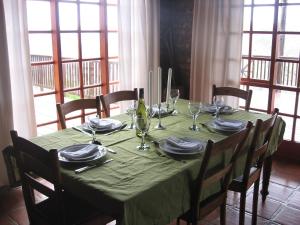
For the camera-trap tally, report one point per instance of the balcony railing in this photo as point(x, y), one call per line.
point(287, 72)
point(43, 75)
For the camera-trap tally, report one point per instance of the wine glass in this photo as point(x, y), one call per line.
point(90, 128)
point(195, 108)
point(218, 102)
point(174, 95)
point(142, 123)
point(131, 112)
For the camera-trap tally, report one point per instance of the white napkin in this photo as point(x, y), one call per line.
point(162, 110)
point(183, 144)
point(230, 123)
point(101, 123)
point(87, 152)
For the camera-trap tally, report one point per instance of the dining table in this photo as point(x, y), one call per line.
point(149, 187)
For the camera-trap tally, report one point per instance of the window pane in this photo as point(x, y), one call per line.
point(91, 1)
point(69, 46)
point(113, 44)
point(261, 45)
point(68, 16)
point(90, 43)
point(114, 74)
point(244, 68)
point(297, 132)
point(92, 92)
point(287, 73)
point(71, 75)
point(247, 2)
point(247, 18)
point(112, 18)
point(46, 129)
point(291, 21)
point(260, 69)
point(289, 1)
point(91, 72)
point(73, 122)
point(259, 97)
point(285, 101)
point(263, 18)
point(45, 108)
point(260, 2)
point(245, 44)
point(288, 128)
point(40, 45)
point(38, 15)
point(288, 45)
point(89, 17)
point(112, 1)
point(42, 78)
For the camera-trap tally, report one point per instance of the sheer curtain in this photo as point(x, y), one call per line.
point(17, 106)
point(139, 42)
point(216, 46)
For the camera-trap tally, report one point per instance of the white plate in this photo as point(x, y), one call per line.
point(165, 147)
point(213, 125)
point(209, 108)
point(115, 125)
point(97, 156)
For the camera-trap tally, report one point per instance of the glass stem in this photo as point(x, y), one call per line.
point(143, 139)
point(159, 117)
point(194, 121)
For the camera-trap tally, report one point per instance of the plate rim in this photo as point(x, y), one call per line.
point(163, 141)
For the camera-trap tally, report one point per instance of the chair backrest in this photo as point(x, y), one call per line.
point(220, 173)
point(34, 161)
point(258, 147)
point(117, 96)
point(236, 92)
point(79, 104)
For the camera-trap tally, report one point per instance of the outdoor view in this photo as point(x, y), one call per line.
point(71, 51)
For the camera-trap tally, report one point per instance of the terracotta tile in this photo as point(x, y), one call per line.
point(232, 218)
point(288, 216)
point(267, 209)
point(6, 220)
point(285, 179)
point(11, 199)
point(279, 192)
point(294, 200)
point(233, 198)
point(19, 216)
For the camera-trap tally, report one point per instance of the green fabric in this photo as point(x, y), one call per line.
point(151, 187)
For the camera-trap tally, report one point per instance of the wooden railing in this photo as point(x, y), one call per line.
point(43, 75)
point(287, 72)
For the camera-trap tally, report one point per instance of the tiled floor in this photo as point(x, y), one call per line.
point(281, 207)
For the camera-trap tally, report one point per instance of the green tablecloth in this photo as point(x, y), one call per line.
point(147, 188)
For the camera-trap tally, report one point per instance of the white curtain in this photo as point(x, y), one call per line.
point(216, 46)
point(17, 106)
point(138, 43)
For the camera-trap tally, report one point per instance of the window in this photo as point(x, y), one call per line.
point(74, 54)
point(270, 62)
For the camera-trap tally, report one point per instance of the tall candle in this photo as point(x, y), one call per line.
point(150, 88)
point(159, 85)
point(169, 82)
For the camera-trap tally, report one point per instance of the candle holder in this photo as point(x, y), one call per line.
point(159, 126)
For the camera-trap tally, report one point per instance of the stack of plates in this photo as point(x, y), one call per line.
point(226, 125)
point(181, 146)
point(226, 109)
point(104, 125)
point(81, 153)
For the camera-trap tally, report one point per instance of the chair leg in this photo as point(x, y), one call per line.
point(223, 214)
point(178, 221)
point(242, 208)
point(255, 202)
point(266, 177)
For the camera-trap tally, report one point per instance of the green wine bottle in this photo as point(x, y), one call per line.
point(141, 111)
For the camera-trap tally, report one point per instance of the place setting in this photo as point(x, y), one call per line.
point(218, 107)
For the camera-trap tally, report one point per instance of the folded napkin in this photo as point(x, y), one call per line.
point(183, 144)
point(101, 123)
point(229, 123)
point(155, 110)
point(73, 153)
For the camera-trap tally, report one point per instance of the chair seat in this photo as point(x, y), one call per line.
point(236, 184)
point(77, 211)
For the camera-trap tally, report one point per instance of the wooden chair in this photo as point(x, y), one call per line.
point(267, 167)
point(118, 96)
point(254, 162)
point(236, 92)
point(220, 173)
point(60, 207)
point(80, 104)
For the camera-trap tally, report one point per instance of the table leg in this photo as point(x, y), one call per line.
point(266, 177)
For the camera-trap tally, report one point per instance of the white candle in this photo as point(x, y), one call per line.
point(150, 88)
point(159, 85)
point(169, 82)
